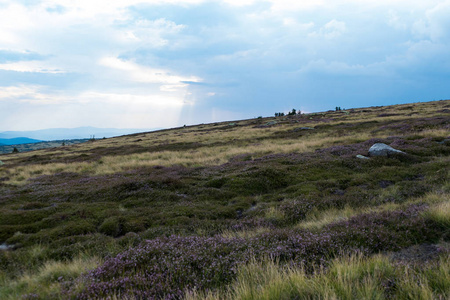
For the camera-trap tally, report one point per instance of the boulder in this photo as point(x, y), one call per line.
point(1, 163)
point(380, 149)
point(361, 156)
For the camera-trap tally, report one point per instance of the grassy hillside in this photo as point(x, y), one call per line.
point(267, 208)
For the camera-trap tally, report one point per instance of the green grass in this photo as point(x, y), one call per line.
point(355, 277)
point(46, 279)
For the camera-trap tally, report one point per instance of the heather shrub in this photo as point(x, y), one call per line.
point(69, 229)
point(258, 182)
point(134, 225)
point(296, 210)
point(216, 182)
point(165, 267)
point(89, 244)
point(111, 226)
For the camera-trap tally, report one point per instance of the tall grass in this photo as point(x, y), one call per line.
point(439, 211)
point(47, 279)
point(355, 277)
point(200, 156)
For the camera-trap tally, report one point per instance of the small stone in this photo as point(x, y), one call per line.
point(361, 156)
point(6, 247)
point(303, 128)
point(380, 149)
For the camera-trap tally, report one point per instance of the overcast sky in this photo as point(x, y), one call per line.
point(165, 63)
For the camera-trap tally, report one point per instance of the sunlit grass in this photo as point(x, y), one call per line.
point(215, 144)
point(230, 234)
point(355, 277)
point(46, 279)
point(439, 211)
point(201, 156)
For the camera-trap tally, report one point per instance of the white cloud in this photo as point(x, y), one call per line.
point(294, 24)
point(35, 94)
point(150, 32)
point(31, 94)
point(239, 2)
point(140, 73)
point(30, 66)
point(289, 5)
point(331, 30)
point(115, 54)
point(11, 92)
point(439, 22)
point(435, 24)
point(135, 100)
point(173, 87)
point(395, 20)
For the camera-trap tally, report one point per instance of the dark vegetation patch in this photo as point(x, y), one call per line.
point(419, 254)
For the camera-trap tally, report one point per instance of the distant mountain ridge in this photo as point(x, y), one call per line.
point(69, 133)
point(17, 141)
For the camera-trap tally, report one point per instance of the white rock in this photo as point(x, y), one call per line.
point(380, 149)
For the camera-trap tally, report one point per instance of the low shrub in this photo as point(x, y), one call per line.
point(165, 267)
point(112, 226)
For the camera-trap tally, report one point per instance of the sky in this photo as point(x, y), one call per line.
point(166, 63)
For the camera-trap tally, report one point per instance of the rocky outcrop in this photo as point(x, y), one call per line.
point(380, 149)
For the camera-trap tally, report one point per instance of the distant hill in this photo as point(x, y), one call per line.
point(4, 149)
point(17, 141)
point(70, 133)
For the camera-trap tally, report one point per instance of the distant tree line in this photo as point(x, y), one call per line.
point(293, 112)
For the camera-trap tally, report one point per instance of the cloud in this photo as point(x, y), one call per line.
point(7, 56)
point(395, 20)
point(30, 66)
point(150, 33)
point(439, 22)
point(12, 92)
point(30, 107)
point(330, 30)
point(199, 56)
point(31, 94)
point(288, 5)
point(136, 100)
point(140, 73)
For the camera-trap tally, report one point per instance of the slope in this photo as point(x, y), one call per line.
point(175, 213)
